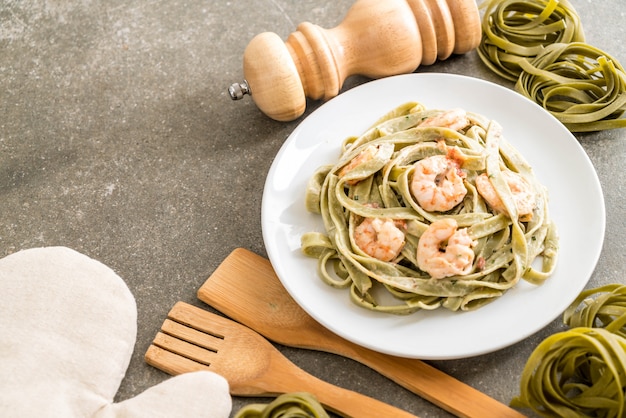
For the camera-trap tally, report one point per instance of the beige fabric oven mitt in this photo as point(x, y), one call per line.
point(68, 327)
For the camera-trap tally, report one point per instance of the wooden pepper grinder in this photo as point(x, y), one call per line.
point(376, 39)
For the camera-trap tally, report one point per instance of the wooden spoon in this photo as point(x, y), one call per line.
point(193, 339)
point(246, 288)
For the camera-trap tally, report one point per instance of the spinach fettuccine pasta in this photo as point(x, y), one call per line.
point(601, 307)
point(287, 405)
point(518, 30)
point(429, 208)
point(580, 85)
point(581, 371)
point(576, 373)
point(540, 45)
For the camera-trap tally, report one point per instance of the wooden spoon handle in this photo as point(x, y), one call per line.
point(353, 404)
point(435, 386)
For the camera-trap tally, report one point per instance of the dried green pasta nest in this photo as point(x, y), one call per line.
point(516, 30)
point(540, 44)
point(288, 405)
point(582, 86)
point(602, 307)
point(582, 371)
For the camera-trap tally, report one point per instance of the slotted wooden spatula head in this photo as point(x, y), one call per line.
point(192, 339)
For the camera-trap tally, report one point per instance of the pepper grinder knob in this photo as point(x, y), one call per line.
point(376, 39)
point(238, 90)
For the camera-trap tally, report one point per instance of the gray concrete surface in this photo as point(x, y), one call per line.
point(118, 139)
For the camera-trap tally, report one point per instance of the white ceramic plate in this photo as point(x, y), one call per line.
point(560, 163)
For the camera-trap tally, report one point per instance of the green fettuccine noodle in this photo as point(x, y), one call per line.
point(289, 405)
point(601, 307)
point(582, 371)
point(541, 46)
point(515, 30)
point(576, 373)
point(582, 86)
point(507, 248)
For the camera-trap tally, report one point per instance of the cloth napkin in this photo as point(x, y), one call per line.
point(68, 327)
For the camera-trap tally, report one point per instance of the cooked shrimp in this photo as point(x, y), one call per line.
point(381, 238)
point(444, 251)
point(364, 156)
point(522, 191)
point(437, 183)
point(455, 119)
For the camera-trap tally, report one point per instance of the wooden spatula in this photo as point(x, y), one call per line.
point(193, 339)
point(245, 288)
